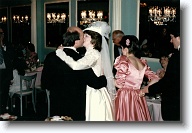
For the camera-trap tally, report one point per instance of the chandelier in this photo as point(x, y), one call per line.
point(20, 19)
point(56, 17)
point(3, 19)
point(159, 15)
point(91, 17)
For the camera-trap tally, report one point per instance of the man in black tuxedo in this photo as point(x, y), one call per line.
point(116, 37)
point(169, 85)
point(68, 87)
point(6, 71)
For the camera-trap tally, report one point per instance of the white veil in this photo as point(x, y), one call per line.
point(105, 29)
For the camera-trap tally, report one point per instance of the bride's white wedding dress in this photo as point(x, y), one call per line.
point(98, 102)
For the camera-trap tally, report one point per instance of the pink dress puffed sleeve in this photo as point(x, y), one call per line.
point(122, 70)
point(148, 72)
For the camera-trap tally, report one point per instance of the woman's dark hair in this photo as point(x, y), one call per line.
point(31, 47)
point(132, 43)
point(69, 38)
point(96, 39)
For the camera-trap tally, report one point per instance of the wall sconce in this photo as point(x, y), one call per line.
point(56, 18)
point(91, 17)
point(22, 19)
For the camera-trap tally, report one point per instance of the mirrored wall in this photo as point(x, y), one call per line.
point(89, 11)
point(21, 24)
point(56, 22)
point(3, 22)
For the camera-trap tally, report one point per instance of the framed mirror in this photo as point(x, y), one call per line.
point(56, 22)
point(3, 22)
point(21, 24)
point(92, 10)
point(156, 19)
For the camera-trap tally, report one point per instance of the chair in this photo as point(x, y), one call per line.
point(29, 81)
point(48, 102)
point(38, 89)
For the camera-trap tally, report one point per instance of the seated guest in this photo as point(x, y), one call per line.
point(164, 59)
point(19, 69)
point(19, 66)
point(32, 56)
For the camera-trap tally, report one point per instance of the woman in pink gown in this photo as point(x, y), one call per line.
point(129, 106)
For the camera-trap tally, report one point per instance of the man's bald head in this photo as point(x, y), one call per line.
point(75, 29)
point(79, 43)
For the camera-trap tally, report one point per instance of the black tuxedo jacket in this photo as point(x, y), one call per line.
point(169, 86)
point(68, 87)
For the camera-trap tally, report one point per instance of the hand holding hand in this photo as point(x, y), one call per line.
point(60, 47)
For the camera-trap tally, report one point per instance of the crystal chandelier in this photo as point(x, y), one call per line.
point(56, 18)
point(91, 17)
point(3, 19)
point(159, 15)
point(20, 19)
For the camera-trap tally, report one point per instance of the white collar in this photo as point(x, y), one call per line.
point(89, 47)
point(73, 48)
point(178, 47)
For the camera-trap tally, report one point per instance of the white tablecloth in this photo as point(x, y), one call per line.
point(155, 109)
point(38, 79)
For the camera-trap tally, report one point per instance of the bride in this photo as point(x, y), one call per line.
point(99, 105)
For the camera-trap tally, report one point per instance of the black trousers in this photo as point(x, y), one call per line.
point(170, 111)
point(4, 90)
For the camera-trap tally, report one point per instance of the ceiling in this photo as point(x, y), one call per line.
point(161, 2)
point(172, 2)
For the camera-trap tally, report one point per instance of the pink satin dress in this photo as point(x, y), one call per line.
point(128, 105)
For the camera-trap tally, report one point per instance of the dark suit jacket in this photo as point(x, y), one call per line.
point(68, 87)
point(116, 54)
point(6, 75)
point(169, 86)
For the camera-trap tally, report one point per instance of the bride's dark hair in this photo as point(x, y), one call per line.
point(96, 39)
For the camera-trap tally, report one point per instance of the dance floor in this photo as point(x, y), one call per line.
point(28, 113)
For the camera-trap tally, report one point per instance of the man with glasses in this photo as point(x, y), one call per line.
point(116, 38)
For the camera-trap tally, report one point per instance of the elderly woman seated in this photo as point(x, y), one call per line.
point(164, 59)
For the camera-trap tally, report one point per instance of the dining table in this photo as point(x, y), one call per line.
point(39, 72)
point(154, 105)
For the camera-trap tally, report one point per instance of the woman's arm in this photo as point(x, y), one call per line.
point(85, 62)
